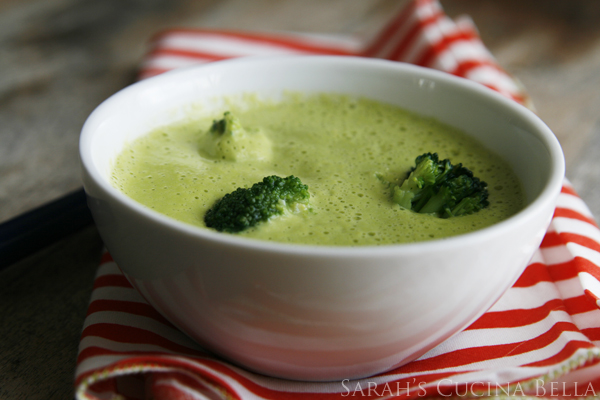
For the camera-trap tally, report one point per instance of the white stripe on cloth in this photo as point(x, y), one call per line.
point(481, 338)
point(401, 32)
point(509, 361)
point(226, 46)
point(575, 226)
point(523, 298)
point(117, 293)
point(574, 203)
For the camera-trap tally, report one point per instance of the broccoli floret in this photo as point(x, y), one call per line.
point(246, 207)
point(227, 140)
point(228, 123)
point(437, 187)
point(420, 179)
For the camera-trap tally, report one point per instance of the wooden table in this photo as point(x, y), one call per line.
point(60, 58)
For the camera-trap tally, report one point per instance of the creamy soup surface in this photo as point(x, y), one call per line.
point(337, 145)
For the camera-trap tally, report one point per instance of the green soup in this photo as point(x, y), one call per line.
point(336, 145)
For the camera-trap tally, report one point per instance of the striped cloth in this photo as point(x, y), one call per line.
point(542, 338)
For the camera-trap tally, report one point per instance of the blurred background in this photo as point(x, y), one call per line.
point(60, 58)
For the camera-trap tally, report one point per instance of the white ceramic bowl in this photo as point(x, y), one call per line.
point(319, 313)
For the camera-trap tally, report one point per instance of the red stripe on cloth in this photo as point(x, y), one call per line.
point(398, 53)
point(129, 334)
point(96, 351)
point(591, 297)
point(304, 45)
point(430, 53)
point(150, 72)
point(514, 96)
point(556, 239)
point(570, 348)
point(457, 358)
point(533, 274)
point(561, 212)
point(193, 54)
point(592, 333)
point(552, 239)
point(569, 190)
point(389, 31)
point(129, 307)
point(517, 317)
point(579, 304)
point(464, 67)
point(116, 280)
point(106, 257)
point(571, 268)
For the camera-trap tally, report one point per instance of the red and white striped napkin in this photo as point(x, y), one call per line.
point(542, 338)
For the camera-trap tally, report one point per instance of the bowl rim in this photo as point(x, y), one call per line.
point(546, 136)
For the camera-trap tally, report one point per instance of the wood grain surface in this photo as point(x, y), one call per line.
point(60, 58)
